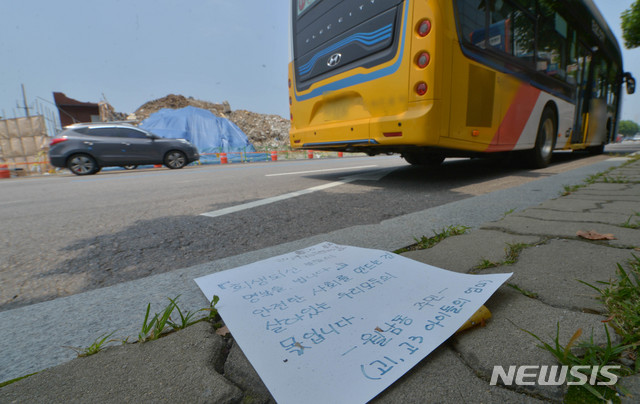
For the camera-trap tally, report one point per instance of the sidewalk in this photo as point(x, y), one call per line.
point(196, 365)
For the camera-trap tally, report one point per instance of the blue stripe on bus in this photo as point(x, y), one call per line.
point(370, 38)
point(362, 78)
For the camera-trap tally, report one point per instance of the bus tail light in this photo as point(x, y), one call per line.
point(421, 88)
point(423, 60)
point(392, 134)
point(424, 28)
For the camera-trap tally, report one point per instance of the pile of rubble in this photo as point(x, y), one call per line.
point(264, 131)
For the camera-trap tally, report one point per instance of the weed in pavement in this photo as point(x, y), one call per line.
point(629, 225)
point(213, 312)
point(569, 189)
point(620, 179)
point(512, 253)
point(427, 242)
point(621, 298)
point(486, 264)
point(186, 319)
point(151, 330)
point(591, 354)
point(98, 345)
point(527, 293)
point(17, 379)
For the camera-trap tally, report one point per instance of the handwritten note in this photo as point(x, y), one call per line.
point(334, 323)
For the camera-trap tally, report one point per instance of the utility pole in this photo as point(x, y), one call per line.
point(24, 97)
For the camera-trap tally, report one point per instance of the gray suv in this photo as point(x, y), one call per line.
point(86, 148)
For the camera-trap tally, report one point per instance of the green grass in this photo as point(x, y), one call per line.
point(621, 298)
point(629, 225)
point(591, 354)
point(602, 176)
point(486, 264)
point(507, 213)
point(512, 253)
point(527, 293)
point(425, 242)
point(152, 328)
point(569, 189)
point(161, 323)
point(17, 379)
point(98, 345)
point(620, 179)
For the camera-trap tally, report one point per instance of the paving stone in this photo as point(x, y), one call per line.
point(504, 342)
point(626, 238)
point(614, 191)
point(463, 253)
point(554, 269)
point(437, 379)
point(632, 384)
point(177, 368)
point(238, 369)
point(624, 207)
point(608, 188)
point(593, 216)
point(603, 198)
point(571, 205)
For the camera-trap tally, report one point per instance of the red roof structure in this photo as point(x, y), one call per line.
point(74, 111)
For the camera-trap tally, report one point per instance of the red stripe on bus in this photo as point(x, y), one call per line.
point(515, 119)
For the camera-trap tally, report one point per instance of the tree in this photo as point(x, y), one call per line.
point(628, 128)
point(631, 25)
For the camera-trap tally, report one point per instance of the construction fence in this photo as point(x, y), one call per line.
point(24, 144)
point(264, 155)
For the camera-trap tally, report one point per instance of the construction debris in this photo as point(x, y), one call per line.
point(264, 131)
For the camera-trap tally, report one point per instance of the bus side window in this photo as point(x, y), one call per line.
point(471, 14)
point(523, 34)
point(552, 43)
point(572, 58)
point(512, 31)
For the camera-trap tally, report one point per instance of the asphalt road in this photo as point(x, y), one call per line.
point(63, 235)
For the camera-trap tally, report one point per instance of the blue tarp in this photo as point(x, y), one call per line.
point(209, 133)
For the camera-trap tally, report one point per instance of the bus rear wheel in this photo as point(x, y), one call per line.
point(423, 159)
point(540, 155)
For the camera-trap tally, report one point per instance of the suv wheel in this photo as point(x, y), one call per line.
point(82, 164)
point(175, 159)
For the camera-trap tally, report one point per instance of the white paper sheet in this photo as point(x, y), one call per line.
point(339, 324)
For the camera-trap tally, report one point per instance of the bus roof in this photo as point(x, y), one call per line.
point(609, 39)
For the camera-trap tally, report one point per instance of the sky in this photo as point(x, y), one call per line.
point(130, 52)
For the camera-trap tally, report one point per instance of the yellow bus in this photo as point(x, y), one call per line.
point(431, 79)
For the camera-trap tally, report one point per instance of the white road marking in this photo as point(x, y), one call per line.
point(320, 171)
point(375, 175)
point(278, 198)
